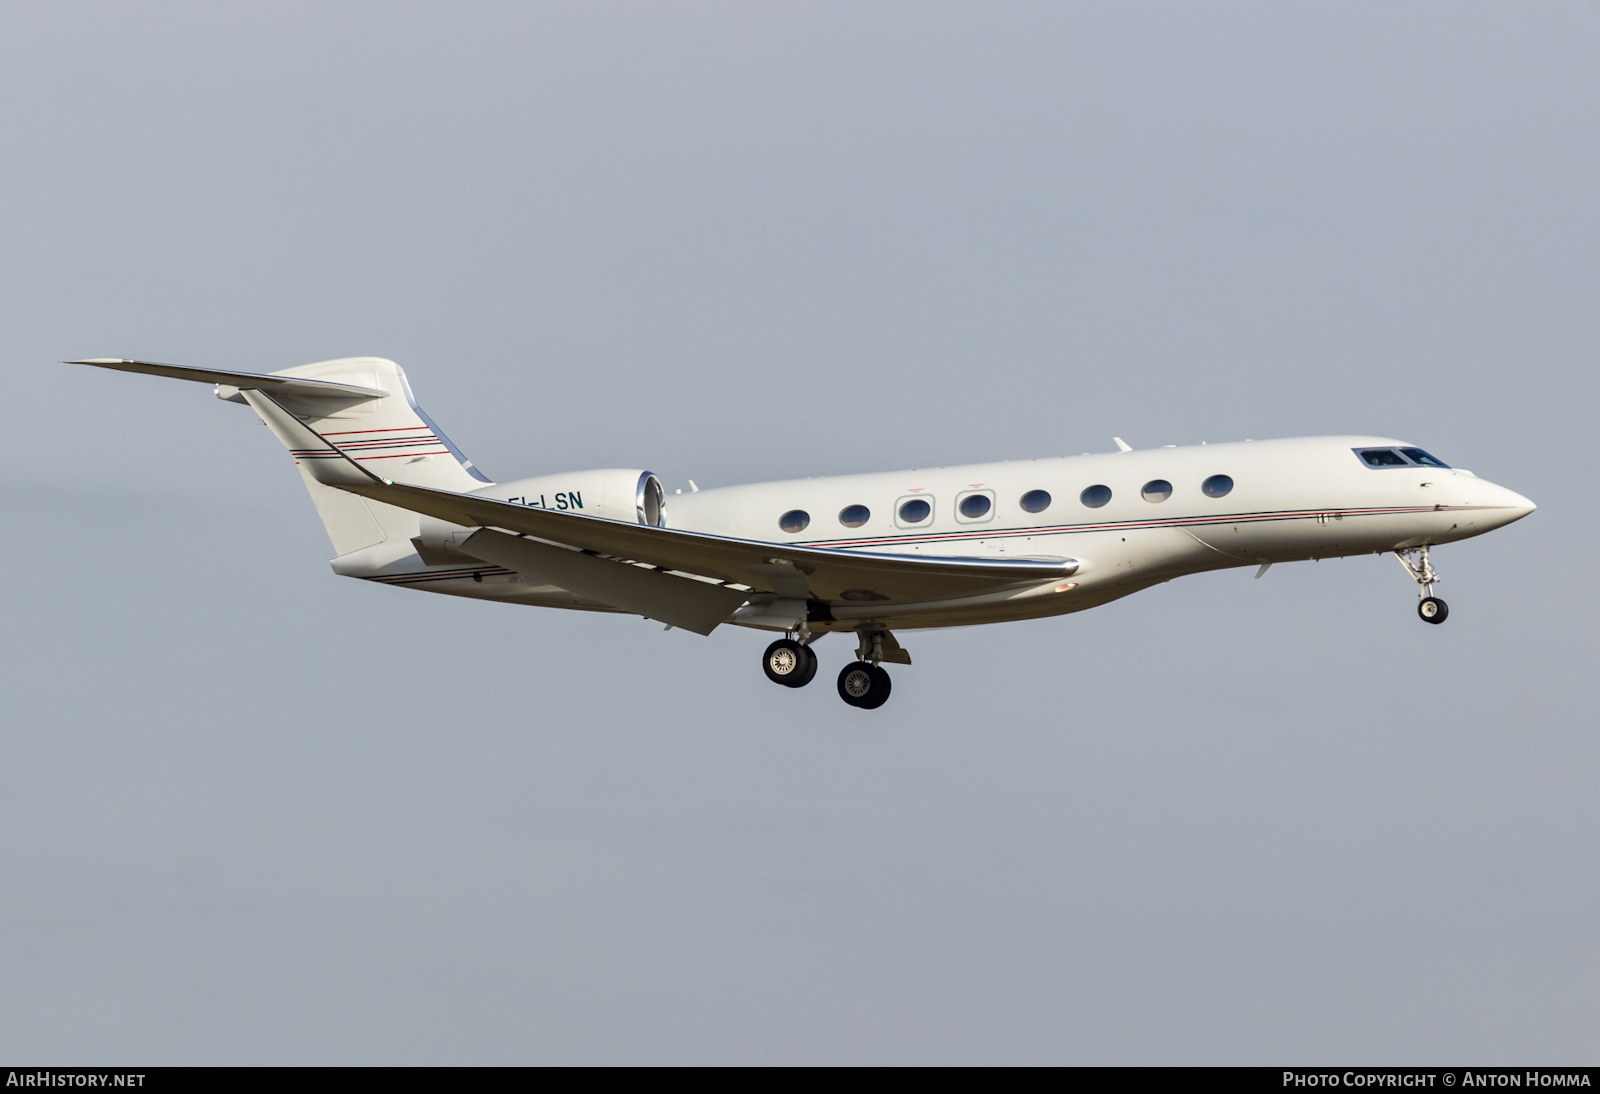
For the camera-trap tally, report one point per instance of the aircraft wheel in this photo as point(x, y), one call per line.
point(808, 673)
point(789, 663)
point(864, 685)
point(1433, 610)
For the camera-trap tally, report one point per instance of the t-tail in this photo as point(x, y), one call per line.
point(363, 407)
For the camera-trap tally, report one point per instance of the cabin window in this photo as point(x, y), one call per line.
point(1217, 486)
point(1424, 458)
point(854, 516)
point(1156, 490)
point(1095, 496)
point(915, 511)
point(795, 520)
point(1035, 501)
point(974, 506)
point(1382, 457)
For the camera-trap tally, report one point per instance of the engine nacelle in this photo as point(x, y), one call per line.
point(617, 494)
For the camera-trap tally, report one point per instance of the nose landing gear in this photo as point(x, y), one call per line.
point(1430, 609)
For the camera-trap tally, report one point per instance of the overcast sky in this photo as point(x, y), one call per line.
point(254, 813)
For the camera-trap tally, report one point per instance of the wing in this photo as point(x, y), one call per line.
point(785, 570)
point(827, 574)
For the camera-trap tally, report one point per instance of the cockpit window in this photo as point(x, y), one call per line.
point(1382, 457)
point(1424, 458)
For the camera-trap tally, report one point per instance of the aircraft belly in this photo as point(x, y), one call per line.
point(1327, 534)
point(1135, 554)
point(953, 613)
point(1115, 565)
point(1261, 541)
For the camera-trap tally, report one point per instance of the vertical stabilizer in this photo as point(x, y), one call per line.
point(361, 406)
point(388, 435)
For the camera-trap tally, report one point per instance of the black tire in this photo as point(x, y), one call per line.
point(864, 685)
point(789, 663)
point(809, 673)
point(882, 685)
point(1433, 610)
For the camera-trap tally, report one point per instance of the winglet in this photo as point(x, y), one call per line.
point(1122, 445)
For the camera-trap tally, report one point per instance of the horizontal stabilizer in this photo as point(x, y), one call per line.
point(294, 386)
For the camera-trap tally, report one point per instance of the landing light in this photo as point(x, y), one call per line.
point(1066, 587)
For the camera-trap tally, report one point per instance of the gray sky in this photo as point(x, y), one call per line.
point(254, 813)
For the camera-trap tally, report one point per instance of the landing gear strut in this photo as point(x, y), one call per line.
point(1430, 608)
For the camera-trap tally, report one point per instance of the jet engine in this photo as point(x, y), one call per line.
point(616, 494)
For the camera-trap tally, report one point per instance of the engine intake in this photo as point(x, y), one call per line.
point(615, 494)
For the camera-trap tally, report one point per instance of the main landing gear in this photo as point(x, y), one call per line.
point(1430, 608)
point(863, 683)
point(790, 663)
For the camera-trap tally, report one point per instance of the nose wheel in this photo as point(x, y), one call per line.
point(1430, 608)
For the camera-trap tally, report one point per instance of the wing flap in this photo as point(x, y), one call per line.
point(683, 602)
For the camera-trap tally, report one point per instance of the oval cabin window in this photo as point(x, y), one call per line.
point(1035, 501)
point(974, 506)
point(915, 511)
point(795, 520)
point(1095, 496)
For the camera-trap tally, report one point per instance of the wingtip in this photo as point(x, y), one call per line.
point(99, 361)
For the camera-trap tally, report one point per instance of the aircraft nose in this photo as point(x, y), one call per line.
point(1502, 505)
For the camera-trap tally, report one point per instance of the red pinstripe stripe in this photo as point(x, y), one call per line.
point(1171, 522)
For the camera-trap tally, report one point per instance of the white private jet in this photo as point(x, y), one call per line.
point(868, 554)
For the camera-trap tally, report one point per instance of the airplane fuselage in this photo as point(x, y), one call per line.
point(868, 554)
point(1152, 519)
